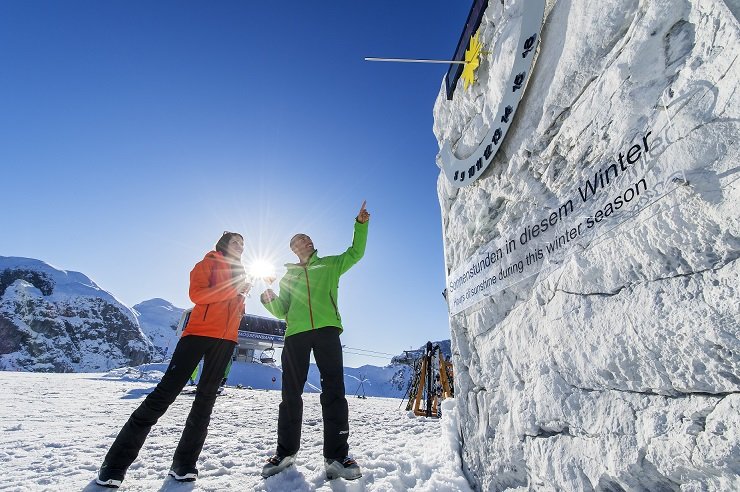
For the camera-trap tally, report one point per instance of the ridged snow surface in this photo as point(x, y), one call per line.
point(606, 354)
point(57, 429)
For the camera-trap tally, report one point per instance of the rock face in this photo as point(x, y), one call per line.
point(58, 321)
point(601, 350)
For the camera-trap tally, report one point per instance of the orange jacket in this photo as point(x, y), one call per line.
point(218, 306)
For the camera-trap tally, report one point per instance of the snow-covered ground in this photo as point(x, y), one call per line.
point(56, 428)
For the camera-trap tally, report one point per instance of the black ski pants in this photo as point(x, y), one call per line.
point(216, 353)
point(327, 350)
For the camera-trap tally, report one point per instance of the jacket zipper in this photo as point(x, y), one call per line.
point(206, 311)
point(336, 311)
point(228, 318)
point(229, 310)
point(308, 289)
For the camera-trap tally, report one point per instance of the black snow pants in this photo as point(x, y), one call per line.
point(216, 353)
point(327, 350)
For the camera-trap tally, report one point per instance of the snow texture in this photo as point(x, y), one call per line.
point(606, 356)
point(57, 428)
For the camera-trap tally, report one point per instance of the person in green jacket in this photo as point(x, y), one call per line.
point(308, 303)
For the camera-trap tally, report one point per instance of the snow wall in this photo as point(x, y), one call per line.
point(591, 255)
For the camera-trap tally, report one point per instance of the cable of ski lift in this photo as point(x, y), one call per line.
point(365, 355)
point(366, 350)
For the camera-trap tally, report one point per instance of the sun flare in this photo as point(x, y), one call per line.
point(262, 269)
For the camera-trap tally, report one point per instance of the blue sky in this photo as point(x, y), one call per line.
point(134, 133)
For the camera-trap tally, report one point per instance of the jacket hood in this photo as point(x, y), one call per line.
point(213, 255)
point(218, 256)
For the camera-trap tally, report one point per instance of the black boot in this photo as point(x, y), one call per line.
point(184, 473)
point(110, 477)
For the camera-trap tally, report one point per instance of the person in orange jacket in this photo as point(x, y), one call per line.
point(218, 285)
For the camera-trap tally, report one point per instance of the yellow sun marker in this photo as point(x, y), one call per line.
point(472, 60)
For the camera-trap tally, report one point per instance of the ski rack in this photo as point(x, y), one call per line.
point(436, 385)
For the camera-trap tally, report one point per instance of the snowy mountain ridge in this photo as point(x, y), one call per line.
point(59, 321)
point(53, 320)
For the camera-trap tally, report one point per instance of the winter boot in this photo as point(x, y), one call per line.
point(110, 477)
point(276, 464)
point(347, 469)
point(184, 473)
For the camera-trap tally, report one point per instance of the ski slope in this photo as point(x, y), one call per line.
point(56, 428)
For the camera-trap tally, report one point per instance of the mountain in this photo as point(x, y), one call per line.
point(53, 320)
point(158, 320)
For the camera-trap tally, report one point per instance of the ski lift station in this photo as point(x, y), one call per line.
point(259, 333)
point(258, 337)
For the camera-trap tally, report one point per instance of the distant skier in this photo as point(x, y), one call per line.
point(217, 287)
point(308, 303)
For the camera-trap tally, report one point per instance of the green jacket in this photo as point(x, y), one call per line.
point(308, 293)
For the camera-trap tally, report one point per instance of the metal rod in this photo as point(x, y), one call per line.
point(410, 60)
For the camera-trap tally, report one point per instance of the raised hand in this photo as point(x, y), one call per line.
point(268, 296)
point(243, 287)
point(363, 216)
